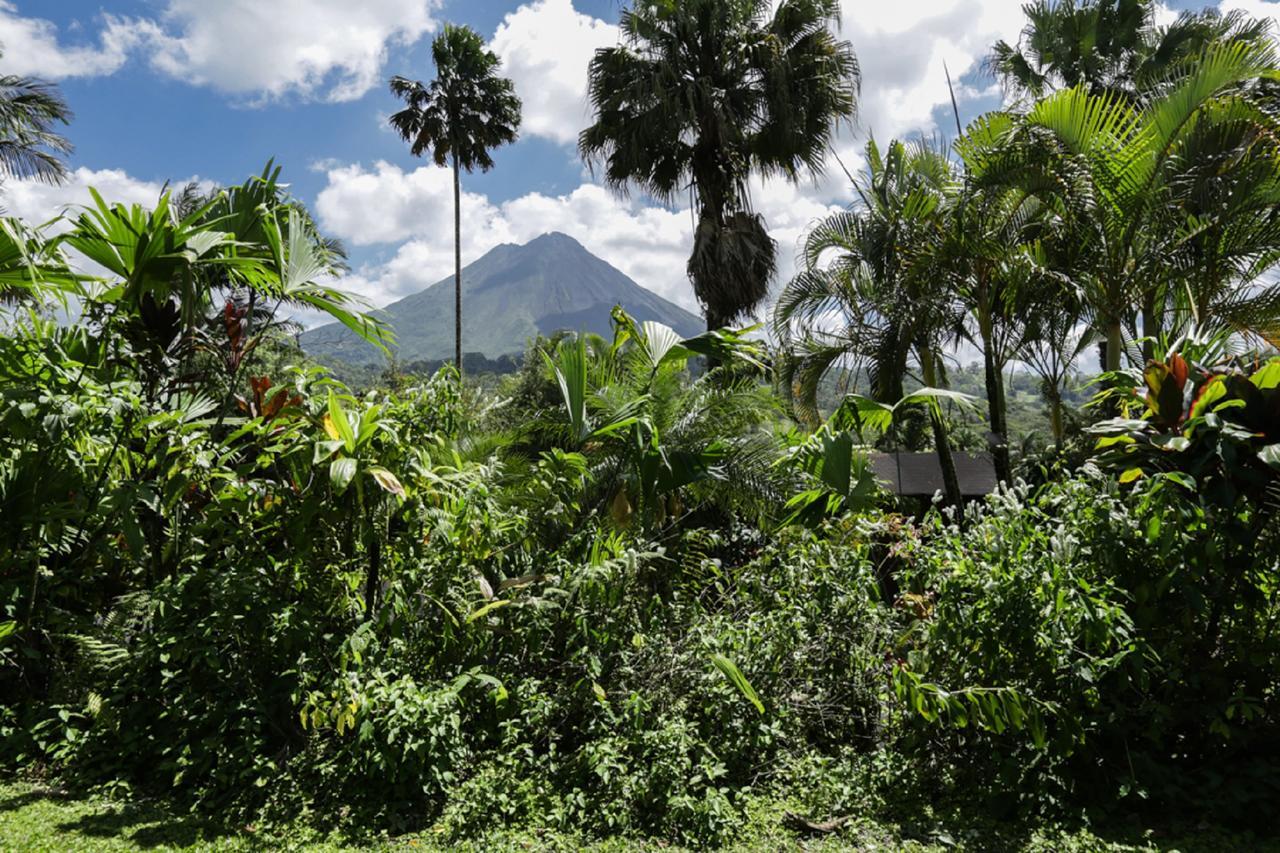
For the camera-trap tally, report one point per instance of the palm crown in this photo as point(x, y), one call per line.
point(700, 94)
point(463, 113)
point(1112, 47)
point(29, 110)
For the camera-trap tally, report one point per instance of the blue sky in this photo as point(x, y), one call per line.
point(171, 90)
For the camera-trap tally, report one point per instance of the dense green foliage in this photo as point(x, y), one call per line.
point(641, 587)
point(578, 603)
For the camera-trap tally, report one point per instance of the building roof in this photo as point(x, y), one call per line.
point(920, 475)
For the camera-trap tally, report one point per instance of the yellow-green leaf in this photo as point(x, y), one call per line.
point(735, 676)
point(487, 609)
point(387, 481)
point(338, 418)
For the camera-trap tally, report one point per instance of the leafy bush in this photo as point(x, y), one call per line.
point(1092, 626)
point(264, 595)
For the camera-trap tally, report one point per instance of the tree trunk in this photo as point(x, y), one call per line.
point(373, 581)
point(1150, 327)
point(1115, 345)
point(713, 323)
point(995, 399)
point(457, 268)
point(1055, 418)
point(950, 480)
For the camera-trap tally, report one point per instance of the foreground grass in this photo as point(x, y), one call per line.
point(42, 818)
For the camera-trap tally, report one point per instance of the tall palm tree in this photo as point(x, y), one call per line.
point(1109, 47)
point(29, 147)
point(1162, 227)
point(867, 296)
point(881, 304)
point(701, 94)
point(995, 256)
point(463, 114)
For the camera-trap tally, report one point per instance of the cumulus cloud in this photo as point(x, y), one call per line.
point(32, 47)
point(323, 49)
point(385, 204)
point(1256, 8)
point(38, 202)
point(331, 49)
point(545, 48)
point(903, 47)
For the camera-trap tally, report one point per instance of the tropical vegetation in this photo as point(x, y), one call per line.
point(649, 588)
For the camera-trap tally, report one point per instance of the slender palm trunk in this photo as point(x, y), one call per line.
point(1055, 417)
point(1115, 344)
point(1150, 327)
point(373, 580)
point(457, 268)
point(995, 395)
point(947, 462)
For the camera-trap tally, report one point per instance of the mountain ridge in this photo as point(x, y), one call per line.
point(510, 294)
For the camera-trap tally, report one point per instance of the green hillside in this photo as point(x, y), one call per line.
point(509, 295)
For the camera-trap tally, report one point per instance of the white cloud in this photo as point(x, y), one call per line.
point(387, 205)
point(323, 49)
point(902, 47)
point(38, 202)
point(1254, 8)
point(32, 47)
point(331, 49)
point(545, 48)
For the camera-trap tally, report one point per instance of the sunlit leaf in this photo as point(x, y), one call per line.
point(735, 676)
point(341, 472)
point(487, 609)
point(387, 481)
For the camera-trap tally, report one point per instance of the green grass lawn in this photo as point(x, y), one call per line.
point(43, 818)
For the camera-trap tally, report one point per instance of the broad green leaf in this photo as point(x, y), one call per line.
point(870, 413)
point(1116, 426)
point(338, 417)
point(1271, 455)
point(661, 343)
point(1268, 377)
point(341, 472)
point(325, 449)
point(570, 368)
point(1210, 393)
point(1171, 443)
point(936, 396)
point(1130, 475)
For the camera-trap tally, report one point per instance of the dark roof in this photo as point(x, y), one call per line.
point(919, 474)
